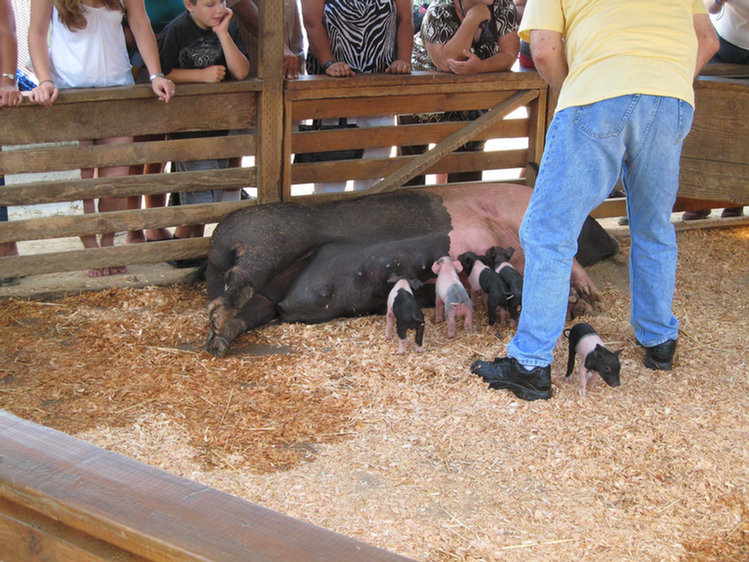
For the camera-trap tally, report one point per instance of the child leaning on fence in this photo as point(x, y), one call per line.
point(86, 49)
point(202, 45)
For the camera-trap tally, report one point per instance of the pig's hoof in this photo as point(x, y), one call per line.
point(216, 345)
point(218, 315)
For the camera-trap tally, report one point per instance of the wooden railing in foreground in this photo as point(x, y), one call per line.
point(64, 499)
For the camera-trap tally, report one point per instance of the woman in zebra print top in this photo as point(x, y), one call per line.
point(354, 36)
point(347, 37)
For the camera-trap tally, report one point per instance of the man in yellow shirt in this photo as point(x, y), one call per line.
point(623, 70)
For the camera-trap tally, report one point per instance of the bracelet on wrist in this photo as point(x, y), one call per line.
point(155, 75)
point(326, 66)
point(43, 81)
point(9, 76)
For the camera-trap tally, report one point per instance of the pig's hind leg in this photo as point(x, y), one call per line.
point(252, 269)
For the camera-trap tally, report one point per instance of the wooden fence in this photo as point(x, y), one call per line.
point(237, 106)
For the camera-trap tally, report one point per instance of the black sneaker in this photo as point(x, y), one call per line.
point(660, 357)
point(506, 372)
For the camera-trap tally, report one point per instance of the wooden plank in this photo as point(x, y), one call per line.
point(48, 159)
point(610, 208)
point(127, 117)
point(725, 69)
point(370, 168)
point(536, 136)
point(95, 258)
point(74, 190)
point(397, 104)
point(416, 134)
point(117, 221)
point(149, 512)
point(416, 84)
point(716, 181)
point(29, 536)
point(456, 139)
point(720, 127)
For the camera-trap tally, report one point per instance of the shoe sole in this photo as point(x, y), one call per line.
point(658, 365)
point(520, 391)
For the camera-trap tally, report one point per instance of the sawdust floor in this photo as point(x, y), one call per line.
point(413, 453)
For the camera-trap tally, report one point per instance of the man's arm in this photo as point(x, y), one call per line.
point(547, 49)
point(707, 40)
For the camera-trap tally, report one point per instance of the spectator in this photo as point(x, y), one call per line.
point(340, 34)
point(463, 37)
point(731, 21)
point(202, 45)
point(160, 13)
point(625, 103)
point(525, 59)
point(9, 97)
point(246, 12)
point(86, 49)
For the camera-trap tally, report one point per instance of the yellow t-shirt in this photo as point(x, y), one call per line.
point(621, 47)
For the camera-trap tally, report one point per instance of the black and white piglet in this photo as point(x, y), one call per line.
point(499, 258)
point(482, 278)
point(594, 357)
point(404, 312)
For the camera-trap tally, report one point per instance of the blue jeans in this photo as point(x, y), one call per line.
point(587, 147)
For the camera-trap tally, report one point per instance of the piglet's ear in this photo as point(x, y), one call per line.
point(458, 266)
point(436, 266)
point(509, 252)
point(416, 284)
point(617, 352)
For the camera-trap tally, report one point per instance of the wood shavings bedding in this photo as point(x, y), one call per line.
point(411, 452)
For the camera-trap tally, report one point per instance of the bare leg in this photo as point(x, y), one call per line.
point(106, 204)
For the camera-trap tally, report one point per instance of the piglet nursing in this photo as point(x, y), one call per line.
point(451, 299)
point(594, 357)
point(404, 312)
point(483, 279)
point(499, 259)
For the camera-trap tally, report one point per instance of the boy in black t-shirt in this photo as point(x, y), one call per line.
point(202, 45)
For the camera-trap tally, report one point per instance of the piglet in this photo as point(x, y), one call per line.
point(483, 279)
point(404, 312)
point(594, 357)
point(452, 299)
point(499, 259)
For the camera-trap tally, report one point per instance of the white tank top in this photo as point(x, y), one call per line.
point(732, 22)
point(93, 57)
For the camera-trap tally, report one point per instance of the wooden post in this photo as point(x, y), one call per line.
point(269, 156)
